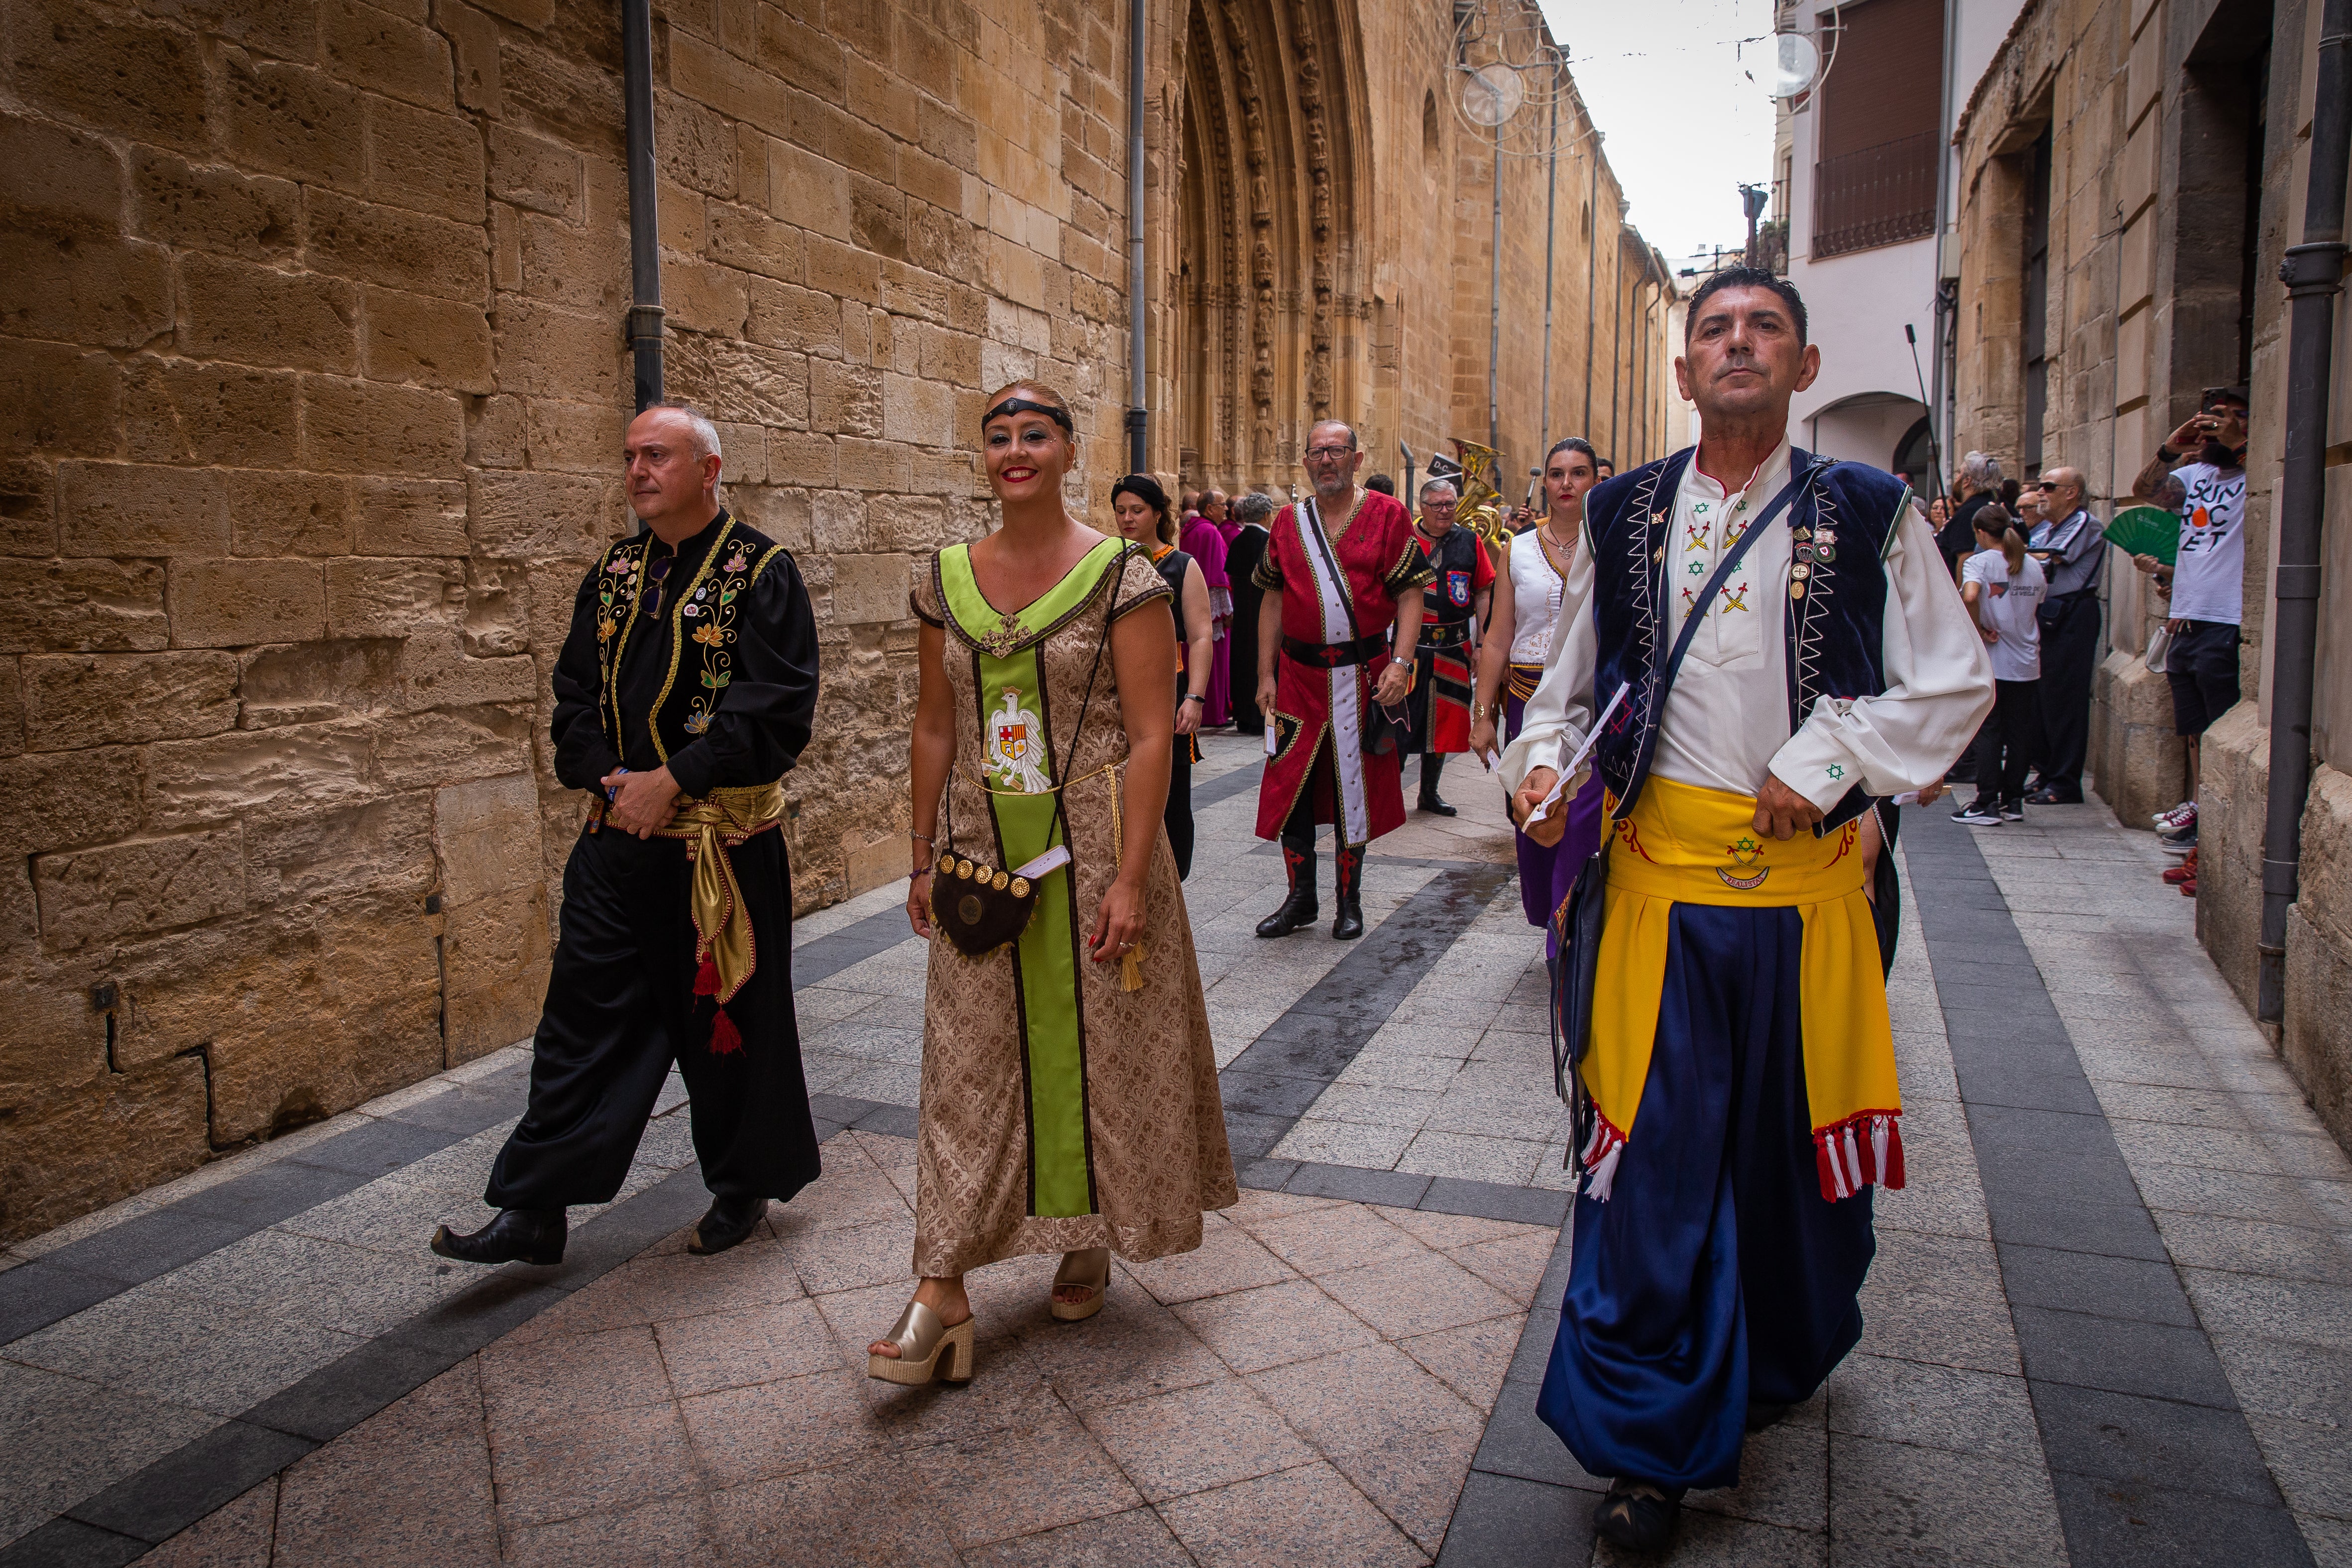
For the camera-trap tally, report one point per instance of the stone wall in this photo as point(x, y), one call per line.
point(312, 389)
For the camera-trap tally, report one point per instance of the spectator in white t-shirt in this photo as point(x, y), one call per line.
point(2005, 587)
point(2207, 455)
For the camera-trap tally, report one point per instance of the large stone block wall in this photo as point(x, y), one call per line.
point(311, 390)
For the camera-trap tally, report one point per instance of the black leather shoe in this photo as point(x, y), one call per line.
point(2052, 797)
point(1637, 1515)
point(1299, 909)
point(1760, 1416)
point(1349, 923)
point(1436, 805)
point(517, 1235)
point(729, 1221)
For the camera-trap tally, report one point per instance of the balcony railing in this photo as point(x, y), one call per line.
point(1879, 196)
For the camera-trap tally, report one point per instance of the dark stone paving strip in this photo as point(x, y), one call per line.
point(1226, 786)
point(2148, 1449)
point(1285, 1069)
point(821, 958)
point(83, 1273)
point(153, 1504)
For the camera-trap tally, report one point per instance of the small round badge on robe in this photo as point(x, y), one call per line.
point(1796, 590)
point(1800, 571)
point(1825, 553)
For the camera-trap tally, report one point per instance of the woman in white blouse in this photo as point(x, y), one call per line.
point(1511, 661)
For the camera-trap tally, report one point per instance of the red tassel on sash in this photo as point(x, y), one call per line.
point(706, 979)
point(725, 1037)
point(1866, 1147)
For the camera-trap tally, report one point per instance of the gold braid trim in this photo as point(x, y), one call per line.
point(711, 827)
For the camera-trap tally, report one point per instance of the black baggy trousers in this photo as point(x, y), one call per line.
point(621, 1007)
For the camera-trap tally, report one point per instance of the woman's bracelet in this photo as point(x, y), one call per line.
point(924, 836)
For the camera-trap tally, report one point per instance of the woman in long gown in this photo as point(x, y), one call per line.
point(1521, 620)
point(1139, 507)
point(1069, 1091)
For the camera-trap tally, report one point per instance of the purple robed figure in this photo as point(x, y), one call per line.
point(1204, 542)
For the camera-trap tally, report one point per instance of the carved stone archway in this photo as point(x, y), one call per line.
point(1263, 300)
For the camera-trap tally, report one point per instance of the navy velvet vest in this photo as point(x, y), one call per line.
point(1835, 630)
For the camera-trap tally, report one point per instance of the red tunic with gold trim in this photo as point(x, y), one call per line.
point(1339, 579)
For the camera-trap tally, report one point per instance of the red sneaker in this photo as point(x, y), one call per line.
point(2188, 888)
point(2184, 872)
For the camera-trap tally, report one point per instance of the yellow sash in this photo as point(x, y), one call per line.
point(1692, 845)
point(725, 950)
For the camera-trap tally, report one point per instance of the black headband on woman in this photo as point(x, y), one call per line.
point(1144, 488)
point(1023, 405)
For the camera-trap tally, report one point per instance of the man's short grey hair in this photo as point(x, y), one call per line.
point(1430, 486)
point(1982, 471)
point(1253, 508)
point(706, 434)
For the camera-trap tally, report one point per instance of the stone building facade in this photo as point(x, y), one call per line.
point(312, 389)
point(2165, 145)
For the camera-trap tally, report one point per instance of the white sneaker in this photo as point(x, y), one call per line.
point(1982, 814)
point(2178, 817)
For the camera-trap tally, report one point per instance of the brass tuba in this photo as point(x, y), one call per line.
point(1473, 474)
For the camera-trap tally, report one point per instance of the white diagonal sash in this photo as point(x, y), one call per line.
point(1336, 605)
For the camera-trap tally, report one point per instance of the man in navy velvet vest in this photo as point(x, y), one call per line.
point(1740, 1066)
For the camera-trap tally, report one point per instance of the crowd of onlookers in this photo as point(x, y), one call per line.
point(2028, 557)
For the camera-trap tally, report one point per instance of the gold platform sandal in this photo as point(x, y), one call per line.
point(1097, 1280)
point(922, 1339)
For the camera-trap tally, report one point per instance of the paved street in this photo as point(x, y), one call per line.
point(2110, 1322)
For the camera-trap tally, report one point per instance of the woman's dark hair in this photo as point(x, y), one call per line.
point(1146, 489)
point(1573, 444)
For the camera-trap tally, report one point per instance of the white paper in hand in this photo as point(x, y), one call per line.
point(1545, 806)
point(1269, 738)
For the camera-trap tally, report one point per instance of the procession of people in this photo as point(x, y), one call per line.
point(1699, 685)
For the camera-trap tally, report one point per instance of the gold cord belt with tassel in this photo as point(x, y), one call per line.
point(1131, 962)
point(725, 952)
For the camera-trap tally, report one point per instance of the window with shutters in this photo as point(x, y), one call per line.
point(1879, 131)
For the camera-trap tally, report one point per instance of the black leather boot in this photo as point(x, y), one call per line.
point(729, 1221)
point(1433, 763)
point(1349, 923)
point(1298, 906)
point(517, 1235)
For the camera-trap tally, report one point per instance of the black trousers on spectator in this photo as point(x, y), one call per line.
point(2070, 657)
point(1178, 814)
point(2011, 737)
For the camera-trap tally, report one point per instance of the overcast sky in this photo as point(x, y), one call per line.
point(1682, 125)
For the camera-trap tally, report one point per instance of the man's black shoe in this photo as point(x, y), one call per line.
point(1298, 910)
point(1637, 1515)
point(517, 1235)
point(2052, 797)
point(729, 1220)
point(1436, 807)
point(1349, 923)
point(1759, 1417)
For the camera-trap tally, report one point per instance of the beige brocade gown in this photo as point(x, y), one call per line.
point(1058, 1111)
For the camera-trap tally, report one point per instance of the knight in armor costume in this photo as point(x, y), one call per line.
point(683, 694)
point(1739, 1065)
point(1341, 570)
point(1443, 663)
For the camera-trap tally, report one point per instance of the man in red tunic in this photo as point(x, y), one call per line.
point(1340, 571)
